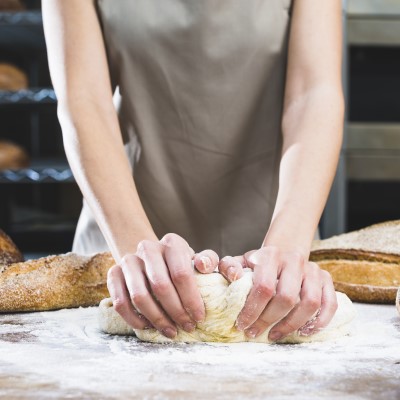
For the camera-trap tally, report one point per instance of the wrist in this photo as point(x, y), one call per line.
point(126, 243)
point(291, 235)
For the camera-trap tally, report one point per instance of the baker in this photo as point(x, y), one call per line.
point(224, 134)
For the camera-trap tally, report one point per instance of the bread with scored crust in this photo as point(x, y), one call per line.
point(364, 264)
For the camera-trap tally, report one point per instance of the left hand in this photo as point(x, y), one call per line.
point(287, 291)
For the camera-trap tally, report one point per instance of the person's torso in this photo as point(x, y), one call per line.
point(201, 85)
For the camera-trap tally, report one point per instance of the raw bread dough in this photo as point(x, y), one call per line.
point(223, 303)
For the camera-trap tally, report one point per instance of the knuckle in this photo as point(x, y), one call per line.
point(170, 239)
point(264, 290)
point(159, 322)
point(119, 305)
point(144, 248)
point(287, 299)
point(298, 258)
point(128, 258)
point(138, 298)
point(180, 275)
point(161, 287)
point(181, 317)
point(312, 302)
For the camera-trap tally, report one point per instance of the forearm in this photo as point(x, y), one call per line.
point(312, 130)
point(95, 152)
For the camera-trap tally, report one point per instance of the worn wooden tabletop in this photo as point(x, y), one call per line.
point(62, 355)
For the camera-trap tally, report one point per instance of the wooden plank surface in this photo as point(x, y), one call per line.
point(62, 355)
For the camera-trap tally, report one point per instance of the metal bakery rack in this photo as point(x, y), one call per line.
point(39, 205)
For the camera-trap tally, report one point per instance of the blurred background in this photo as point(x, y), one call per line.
point(40, 202)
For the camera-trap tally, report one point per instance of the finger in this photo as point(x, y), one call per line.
point(230, 268)
point(329, 303)
point(265, 270)
point(141, 297)
point(121, 301)
point(179, 262)
point(206, 261)
point(304, 312)
point(285, 299)
point(161, 284)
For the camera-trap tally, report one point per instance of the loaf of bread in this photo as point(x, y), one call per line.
point(12, 156)
point(9, 252)
point(364, 264)
point(54, 282)
point(11, 5)
point(12, 78)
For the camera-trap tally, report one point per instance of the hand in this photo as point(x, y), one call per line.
point(156, 287)
point(287, 291)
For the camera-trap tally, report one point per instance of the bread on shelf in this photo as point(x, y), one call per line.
point(12, 78)
point(364, 264)
point(9, 252)
point(11, 5)
point(12, 156)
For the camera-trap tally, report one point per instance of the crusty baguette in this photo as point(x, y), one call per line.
point(364, 264)
point(54, 282)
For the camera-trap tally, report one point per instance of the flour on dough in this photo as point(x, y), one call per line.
point(223, 303)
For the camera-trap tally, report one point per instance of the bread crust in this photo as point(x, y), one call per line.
point(12, 78)
point(9, 252)
point(364, 264)
point(11, 5)
point(12, 156)
point(54, 282)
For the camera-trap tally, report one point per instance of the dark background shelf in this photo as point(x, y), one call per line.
point(31, 97)
point(39, 205)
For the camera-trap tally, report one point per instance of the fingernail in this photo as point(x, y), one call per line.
point(198, 316)
point(169, 332)
point(189, 327)
point(239, 326)
point(274, 336)
point(206, 262)
point(231, 273)
point(251, 333)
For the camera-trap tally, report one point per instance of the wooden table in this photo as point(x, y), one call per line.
point(62, 355)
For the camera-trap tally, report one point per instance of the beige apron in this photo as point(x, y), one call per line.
point(201, 84)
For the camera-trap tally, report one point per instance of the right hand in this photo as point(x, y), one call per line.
point(156, 288)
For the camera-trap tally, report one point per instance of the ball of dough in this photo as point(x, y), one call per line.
point(223, 302)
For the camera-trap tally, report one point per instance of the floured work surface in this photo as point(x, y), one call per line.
point(62, 355)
